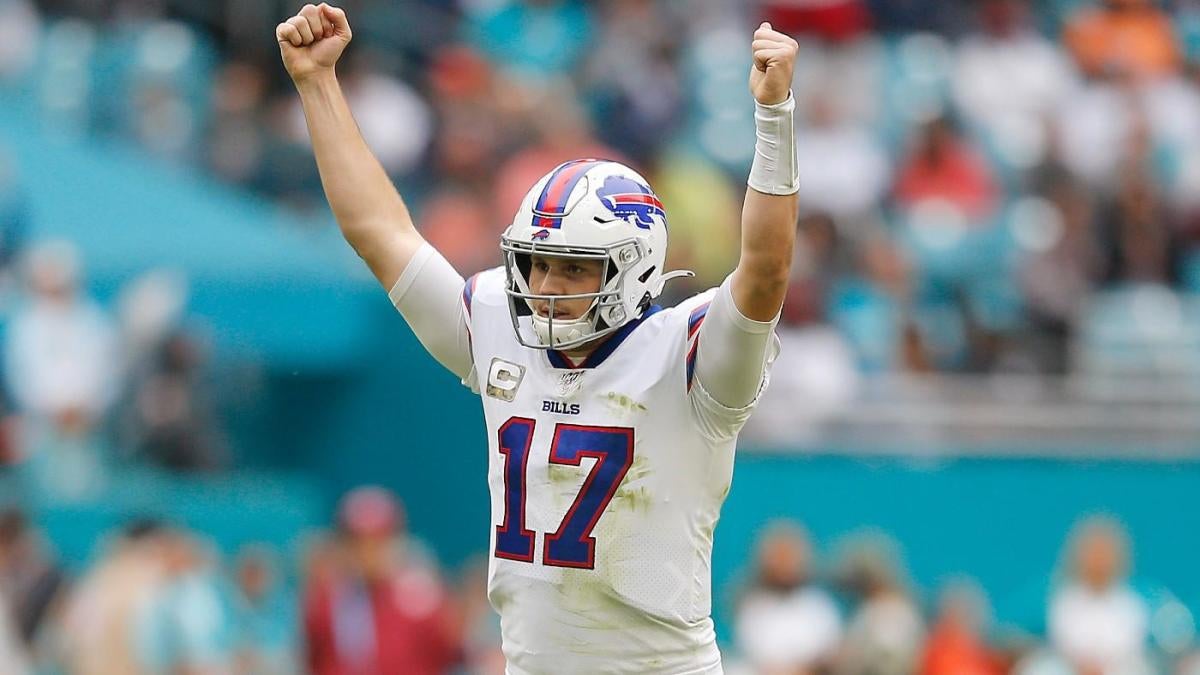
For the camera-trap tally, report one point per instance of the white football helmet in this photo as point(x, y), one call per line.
point(595, 210)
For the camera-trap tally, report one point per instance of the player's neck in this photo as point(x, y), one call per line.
point(579, 354)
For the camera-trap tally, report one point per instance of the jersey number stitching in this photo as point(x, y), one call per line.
point(573, 544)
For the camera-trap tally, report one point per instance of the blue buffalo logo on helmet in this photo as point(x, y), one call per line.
point(630, 200)
point(541, 234)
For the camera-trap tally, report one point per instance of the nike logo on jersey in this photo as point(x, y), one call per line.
point(560, 407)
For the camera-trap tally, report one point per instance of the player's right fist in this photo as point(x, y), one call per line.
point(312, 41)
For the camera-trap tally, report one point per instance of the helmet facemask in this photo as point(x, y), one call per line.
point(606, 314)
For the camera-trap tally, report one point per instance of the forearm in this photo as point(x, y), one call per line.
point(768, 237)
point(368, 209)
point(768, 215)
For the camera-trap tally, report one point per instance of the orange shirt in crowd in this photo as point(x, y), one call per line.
point(1137, 41)
point(954, 650)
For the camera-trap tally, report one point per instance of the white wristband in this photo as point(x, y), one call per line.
point(774, 169)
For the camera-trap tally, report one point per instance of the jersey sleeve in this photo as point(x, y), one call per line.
point(729, 358)
point(435, 301)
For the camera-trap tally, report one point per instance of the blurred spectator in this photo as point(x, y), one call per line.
point(1008, 79)
point(1061, 266)
point(482, 652)
point(832, 20)
point(849, 75)
point(943, 166)
point(394, 118)
point(264, 617)
point(31, 584)
point(173, 418)
point(636, 53)
point(289, 173)
point(13, 660)
point(703, 214)
point(111, 611)
point(531, 39)
point(561, 137)
point(874, 308)
point(395, 121)
point(947, 17)
point(1128, 38)
point(61, 358)
point(846, 170)
point(1189, 665)
point(885, 634)
point(458, 223)
point(785, 625)
point(189, 630)
point(957, 644)
point(236, 147)
point(19, 37)
point(1137, 234)
point(1093, 128)
point(383, 611)
point(473, 121)
point(149, 605)
point(1096, 620)
point(14, 214)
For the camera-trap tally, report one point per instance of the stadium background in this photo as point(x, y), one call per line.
point(992, 337)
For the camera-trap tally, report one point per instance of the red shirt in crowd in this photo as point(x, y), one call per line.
point(403, 625)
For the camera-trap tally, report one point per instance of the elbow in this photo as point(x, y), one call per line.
point(759, 289)
point(774, 273)
point(770, 268)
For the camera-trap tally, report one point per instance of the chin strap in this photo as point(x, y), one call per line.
point(564, 331)
point(662, 281)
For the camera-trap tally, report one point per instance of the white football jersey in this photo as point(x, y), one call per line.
point(606, 483)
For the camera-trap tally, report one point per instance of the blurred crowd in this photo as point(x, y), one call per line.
point(367, 599)
point(84, 389)
point(975, 174)
point(994, 186)
point(862, 617)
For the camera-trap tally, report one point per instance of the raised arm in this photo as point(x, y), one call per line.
point(771, 207)
point(736, 343)
point(369, 210)
point(373, 218)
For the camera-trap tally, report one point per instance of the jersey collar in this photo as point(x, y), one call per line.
point(606, 348)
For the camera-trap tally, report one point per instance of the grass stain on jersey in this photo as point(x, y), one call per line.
point(499, 599)
point(561, 475)
point(637, 471)
point(725, 492)
point(630, 496)
point(588, 596)
point(624, 404)
point(637, 499)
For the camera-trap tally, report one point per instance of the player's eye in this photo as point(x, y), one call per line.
point(574, 270)
point(541, 266)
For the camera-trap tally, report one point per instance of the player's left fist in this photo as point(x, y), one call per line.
point(774, 61)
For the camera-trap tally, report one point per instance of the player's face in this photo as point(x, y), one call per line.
point(564, 276)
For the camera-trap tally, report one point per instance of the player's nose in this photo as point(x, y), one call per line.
point(551, 284)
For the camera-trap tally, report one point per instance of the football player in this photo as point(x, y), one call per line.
point(611, 421)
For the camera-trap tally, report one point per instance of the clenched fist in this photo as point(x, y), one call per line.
point(312, 41)
point(774, 60)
